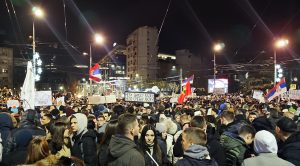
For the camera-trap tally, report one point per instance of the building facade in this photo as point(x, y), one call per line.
point(142, 52)
point(113, 64)
point(6, 69)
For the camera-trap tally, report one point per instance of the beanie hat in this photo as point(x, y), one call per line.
point(287, 125)
point(160, 127)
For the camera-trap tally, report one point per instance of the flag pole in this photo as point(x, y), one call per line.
point(180, 74)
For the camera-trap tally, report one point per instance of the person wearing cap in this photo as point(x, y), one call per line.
point(265, 146)
point(289, 148)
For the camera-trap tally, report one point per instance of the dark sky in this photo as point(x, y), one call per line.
point(246, 27)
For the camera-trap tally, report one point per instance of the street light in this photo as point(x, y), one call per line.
point(98, 39)
point(279, 43)
point(37, 13)
point(217, 48)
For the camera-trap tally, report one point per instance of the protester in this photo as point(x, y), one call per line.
point(265, 146)
point(110, 130)
point(83, 141)
point(122, 149)
point(195, 150)
point(289, 148)
point(237, 146)
point(148, 143)
point(39, 152)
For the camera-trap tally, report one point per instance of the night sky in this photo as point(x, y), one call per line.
point(246, 27)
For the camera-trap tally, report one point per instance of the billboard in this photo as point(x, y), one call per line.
point(221, 86)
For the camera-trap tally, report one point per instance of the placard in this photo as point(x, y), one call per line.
point(13, 103)
point(96, 99)
point(43, 98)
point(60, 101)
point(142, 97)
point(110, 99)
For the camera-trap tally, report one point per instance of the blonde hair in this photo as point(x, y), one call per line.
point(38, 149)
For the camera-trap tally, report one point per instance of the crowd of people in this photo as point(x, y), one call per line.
point(224, 130)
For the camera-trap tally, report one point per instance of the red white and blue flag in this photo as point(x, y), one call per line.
point(277, 90)
point(95, 73)
point(190, 79)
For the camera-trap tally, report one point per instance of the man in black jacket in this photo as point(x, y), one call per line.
point(289, 149)
point(122, 149)
point(83, 141)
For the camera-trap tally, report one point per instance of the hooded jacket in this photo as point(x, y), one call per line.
point(196, 155)
point(84, 142)
point(266, 146)
point(124, 152)
point(290, 149)
point(235, 150)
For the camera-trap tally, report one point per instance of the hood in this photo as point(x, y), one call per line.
point(265, 142)
point(6, 122)
point(294, 138)
point(119, 145)
point(23, 138)
point(81, 121)
point(197, 152)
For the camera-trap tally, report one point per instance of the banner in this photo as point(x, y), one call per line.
point(43, 98)
point(219, 91)
point(96, 99)
point(294, 94)
point(293, 86)
point(142, 97)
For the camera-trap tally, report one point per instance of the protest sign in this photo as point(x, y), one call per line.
point(140, 97)
point(60, 101)
point(110, 99)
point(43, 98)
point(13, 103)
point(96, 99)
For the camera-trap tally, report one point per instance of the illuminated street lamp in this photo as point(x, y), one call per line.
point(37, 13)
point(279, 43)
point(217, 48)
point(98, 39)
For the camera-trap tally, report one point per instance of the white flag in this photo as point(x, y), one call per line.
point(28, 91)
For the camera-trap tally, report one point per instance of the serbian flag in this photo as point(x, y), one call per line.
point(95, 73)
point(277, 90)
point(190, 80)
point(186, 91)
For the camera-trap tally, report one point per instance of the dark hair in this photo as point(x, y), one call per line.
point(247, 129)
point(144, 147)
point(110, 130)
point(124, 122)
point(57, 134)
point(198, 121)
point(118, 109)
point(287, 125)
point(229, 116)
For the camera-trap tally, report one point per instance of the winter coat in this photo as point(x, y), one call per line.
point(124, 152)
point(266, 159)
point(214, 147)
point(84, 147)
point(196, 155)
point(235, 150)
point(290, 149)
point(103, 153)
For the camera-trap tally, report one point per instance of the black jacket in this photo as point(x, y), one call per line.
point(290, 149)
point(103, 153)
point(214, 147)
point(84, 147)
point(124, 152)
point(188, 161)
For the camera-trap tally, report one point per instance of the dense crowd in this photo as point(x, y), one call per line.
point(225, 130)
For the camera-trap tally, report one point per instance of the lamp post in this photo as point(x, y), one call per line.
point(98, 39)
point(37, 13)
point(279, 43)
point(217, 48)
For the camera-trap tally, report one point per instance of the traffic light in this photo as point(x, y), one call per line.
point(279, 73)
